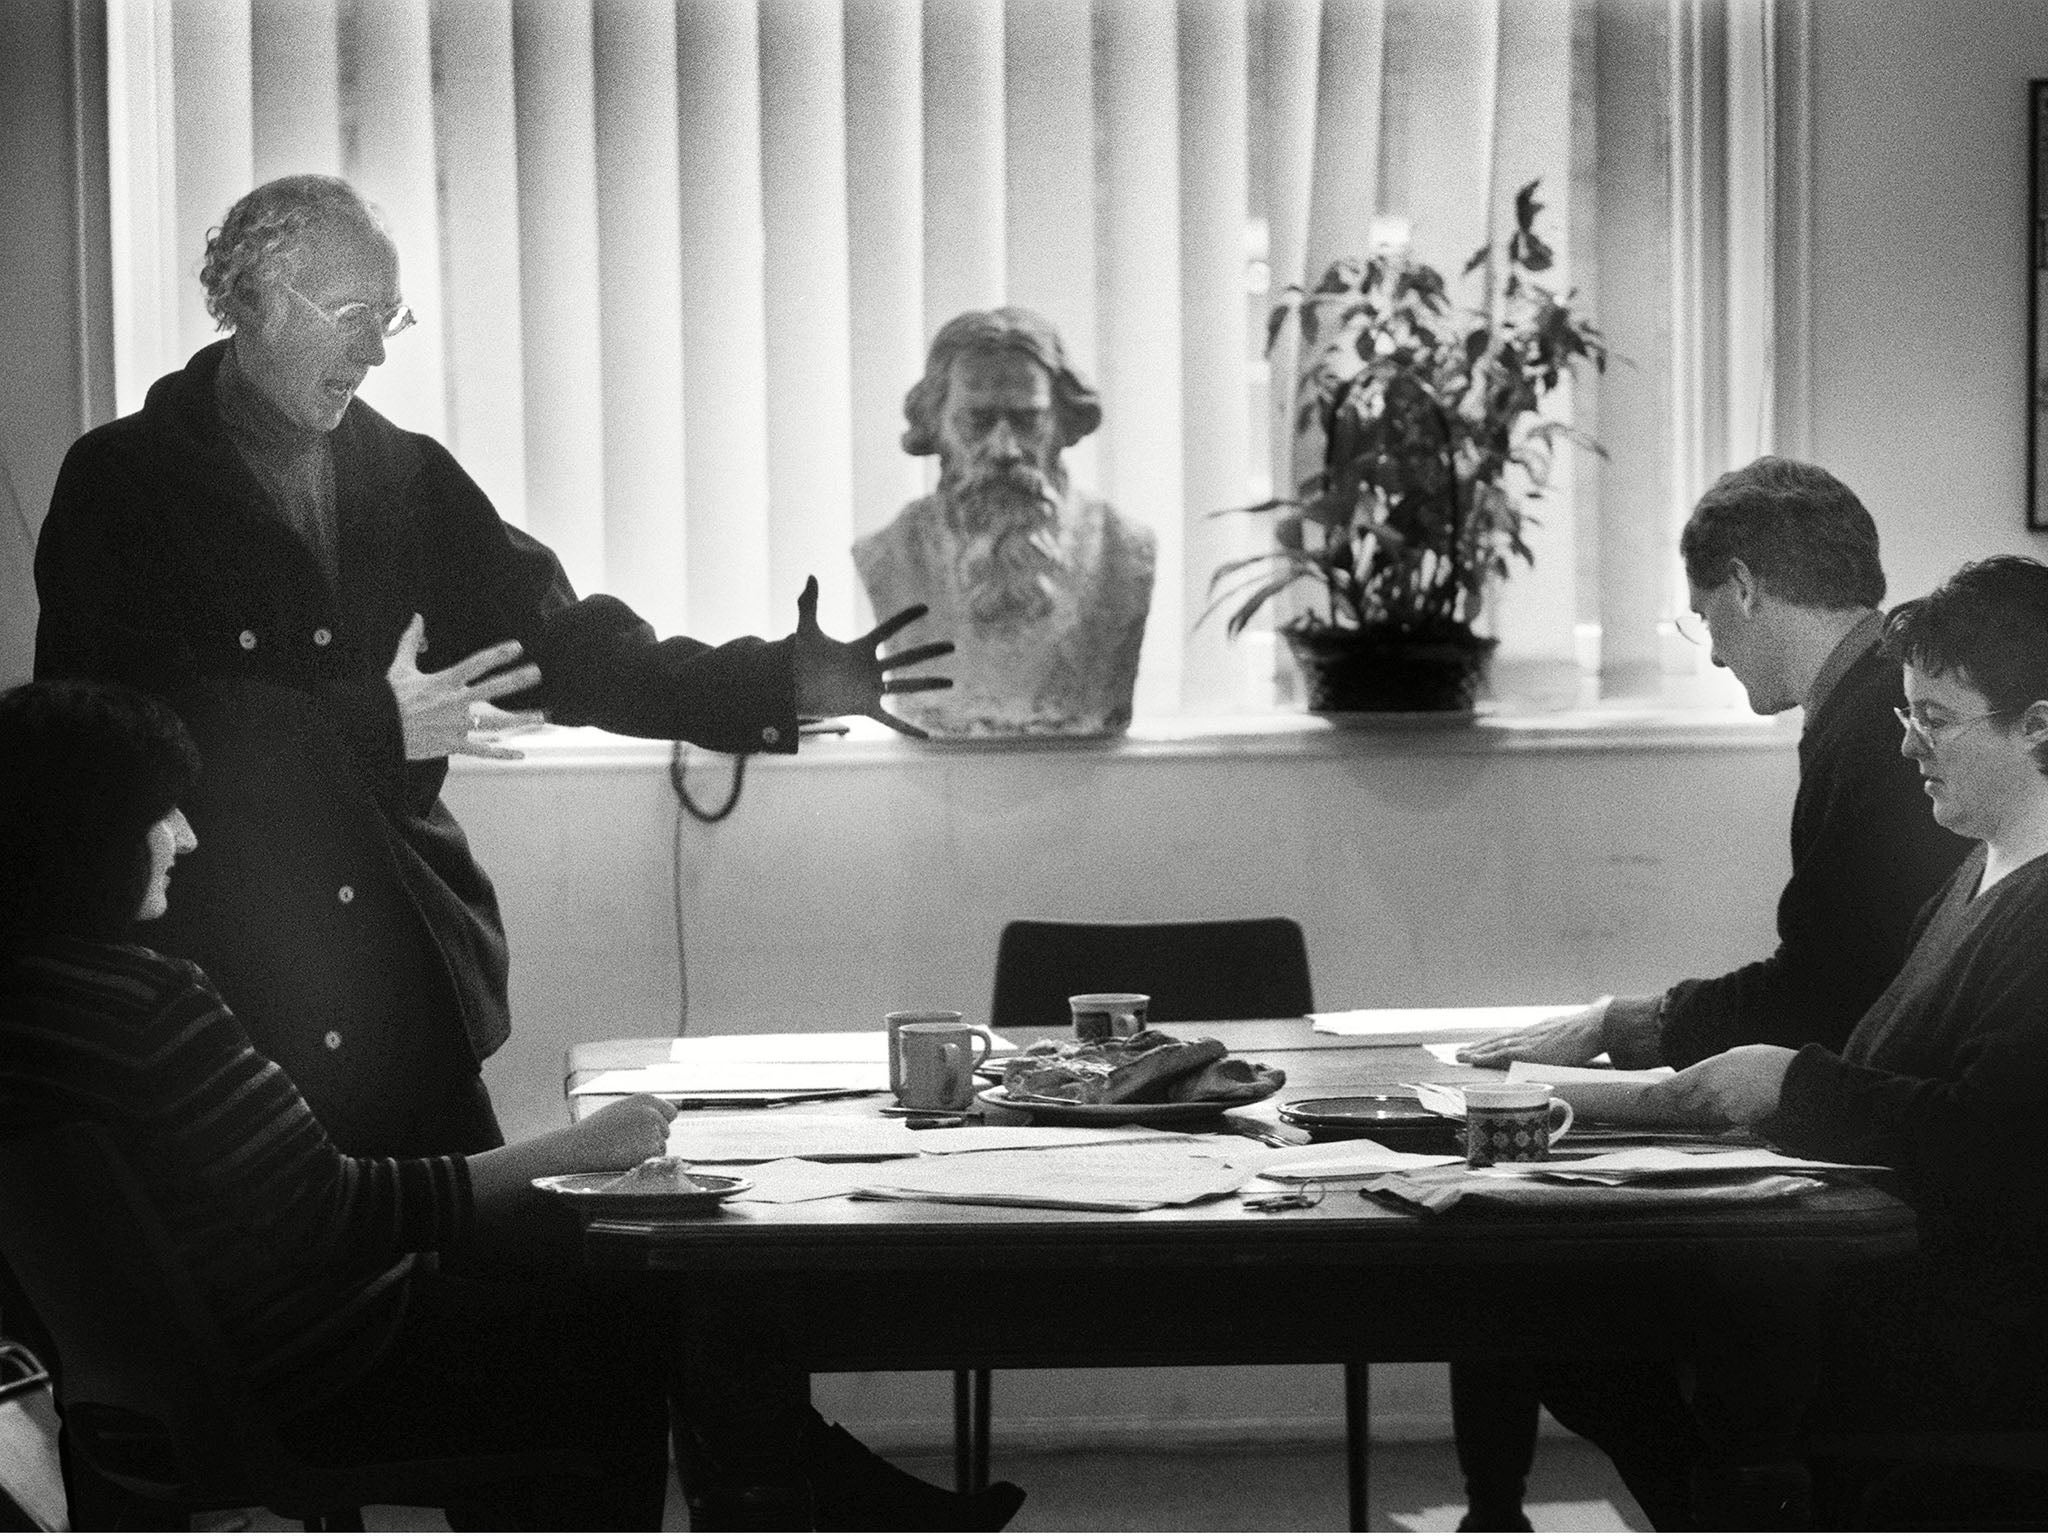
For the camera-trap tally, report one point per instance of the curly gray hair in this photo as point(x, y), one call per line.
point(1010, 329)
point(264, 230)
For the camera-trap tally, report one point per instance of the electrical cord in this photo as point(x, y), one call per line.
point(685, 801)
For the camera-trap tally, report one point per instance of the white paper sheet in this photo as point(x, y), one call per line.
point(1422, 1026)
point(683, 1079)
point(1635, 1165)
point(1120, 1178)
point(763, 1136)
point(793, 1180)
point(809, 1046)
point(1339, 1160)
point(1608, 1096)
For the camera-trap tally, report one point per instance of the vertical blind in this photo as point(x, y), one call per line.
point(677, 261)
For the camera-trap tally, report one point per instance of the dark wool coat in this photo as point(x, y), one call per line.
point(1867, 854)
point(333, 899)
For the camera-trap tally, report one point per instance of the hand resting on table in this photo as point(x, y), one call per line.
point(1567, 1040)
point(616, 1137)
point(1737, 1087)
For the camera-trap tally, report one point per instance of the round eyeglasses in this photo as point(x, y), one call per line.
point(1693, 630)
point(357, 319)
point(1933, 732)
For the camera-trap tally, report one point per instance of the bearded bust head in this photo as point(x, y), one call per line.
point(999, 403)
point(1043, 590)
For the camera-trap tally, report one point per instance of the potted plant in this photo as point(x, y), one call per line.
point(1426, 426)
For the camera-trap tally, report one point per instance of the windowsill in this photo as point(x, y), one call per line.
point(1645, 726)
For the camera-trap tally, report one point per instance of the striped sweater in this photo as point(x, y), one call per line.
point(302, 1253)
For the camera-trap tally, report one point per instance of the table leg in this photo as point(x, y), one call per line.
point(1357, 1438)
point(963, 1430)
point(984, 1382)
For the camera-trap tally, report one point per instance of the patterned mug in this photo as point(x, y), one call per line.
point(1108, 1015)
point(1512, 1123)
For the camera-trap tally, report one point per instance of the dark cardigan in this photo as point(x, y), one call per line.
point(1866, 856)
point(333, 898)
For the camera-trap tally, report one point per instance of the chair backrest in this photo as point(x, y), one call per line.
point(145, 1380)
point(1236, 968)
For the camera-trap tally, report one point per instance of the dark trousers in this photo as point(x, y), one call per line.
point(1715, 1439)
point(485, 1365)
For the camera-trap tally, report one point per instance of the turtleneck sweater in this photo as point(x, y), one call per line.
point(293, 464)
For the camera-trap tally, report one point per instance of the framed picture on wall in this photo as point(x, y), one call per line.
point(2037, 305)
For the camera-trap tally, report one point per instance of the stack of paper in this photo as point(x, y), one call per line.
point(805, 1064)
point(764, 1136)
point(1422, 1026)
point(1636, 1179)
point(1124, 1178)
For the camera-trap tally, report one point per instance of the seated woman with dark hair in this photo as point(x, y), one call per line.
point(310, 1261)
point(316, 1265)
point(1944, 1081)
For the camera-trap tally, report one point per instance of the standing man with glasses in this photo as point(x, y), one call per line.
point(335, 608)
point(1783, 577)
point(270, 555)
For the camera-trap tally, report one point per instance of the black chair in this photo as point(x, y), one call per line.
point(1234, 968)
point(145, 1382)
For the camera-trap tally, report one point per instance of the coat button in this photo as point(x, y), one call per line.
point(770, 735)
point(332, 1040)
point(322, 636)
point(248, 639)
point(346, 894)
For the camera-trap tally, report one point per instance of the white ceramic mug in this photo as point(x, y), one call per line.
point(1108, 1015)
point(939, 1059)
point(896, 1021)
point(1512, 1123)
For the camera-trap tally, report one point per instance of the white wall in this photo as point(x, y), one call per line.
point(1920, 271)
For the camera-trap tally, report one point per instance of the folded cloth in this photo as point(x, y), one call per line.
point(1439, 1189)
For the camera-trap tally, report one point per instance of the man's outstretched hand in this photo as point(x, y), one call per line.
point(845, 677)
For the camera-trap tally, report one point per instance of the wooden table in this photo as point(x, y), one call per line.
point(1348, 1281)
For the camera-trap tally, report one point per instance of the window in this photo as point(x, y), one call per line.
point(676, 261)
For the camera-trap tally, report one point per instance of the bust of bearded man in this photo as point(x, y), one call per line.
point(1044, 591)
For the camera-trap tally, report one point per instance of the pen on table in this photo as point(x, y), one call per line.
point(933, 1122)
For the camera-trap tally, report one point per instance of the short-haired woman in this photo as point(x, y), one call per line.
point(311, 1261)
point(1944, 1081)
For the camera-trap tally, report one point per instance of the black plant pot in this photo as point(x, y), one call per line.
point(1354, 671)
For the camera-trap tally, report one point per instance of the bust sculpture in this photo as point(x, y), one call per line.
point(1043, 591)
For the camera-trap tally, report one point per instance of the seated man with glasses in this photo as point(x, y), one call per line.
point(1781, 562)
point(274, 558)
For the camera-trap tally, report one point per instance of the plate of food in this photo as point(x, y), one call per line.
point(658, 1187)
point(1150, 1078)
point(1396, 1121)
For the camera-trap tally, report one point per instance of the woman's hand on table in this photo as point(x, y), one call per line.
point(622, 1134)
point(1568, 1040)
point(617, 1137)
point(1738, 1087)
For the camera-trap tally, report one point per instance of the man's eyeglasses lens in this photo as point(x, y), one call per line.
point(1692, 629)
point(359, 319)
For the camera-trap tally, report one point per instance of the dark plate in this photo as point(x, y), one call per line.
point(1396, 1121)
